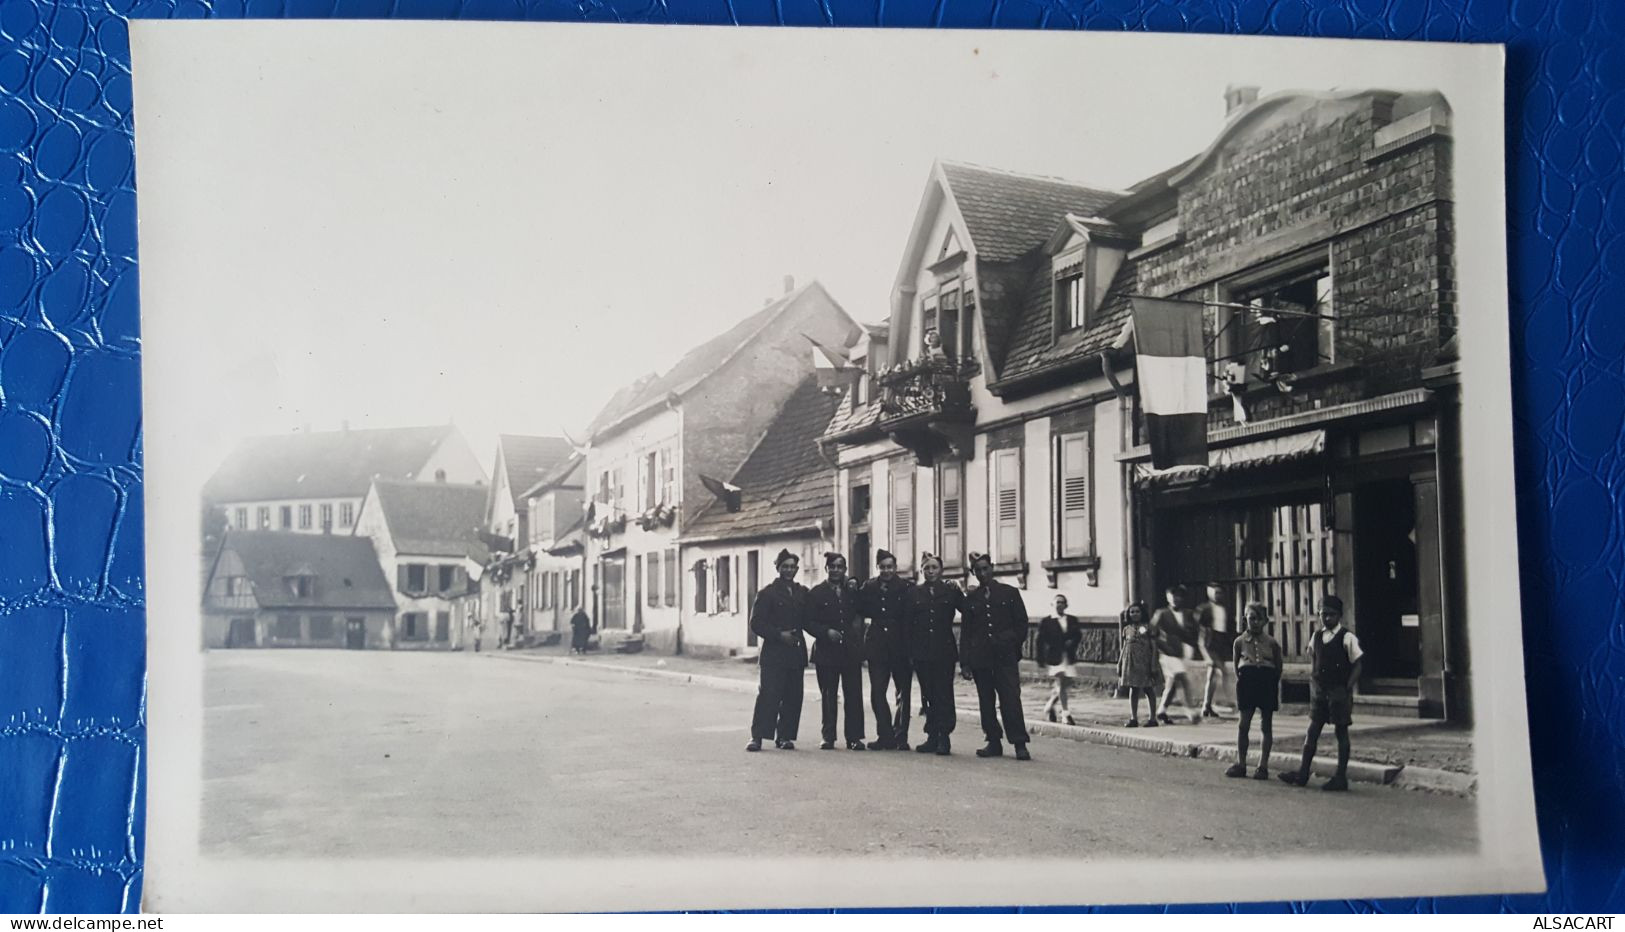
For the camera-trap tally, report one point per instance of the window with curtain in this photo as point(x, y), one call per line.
point(724, 585)
point(701, 586)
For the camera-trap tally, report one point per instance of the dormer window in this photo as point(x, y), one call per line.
point(300, 587)
point(949, 314)
point(1072, 289)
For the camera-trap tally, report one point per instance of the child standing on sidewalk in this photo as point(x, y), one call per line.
point(1137, 664)
point(1258, 688)
point(1334, 671)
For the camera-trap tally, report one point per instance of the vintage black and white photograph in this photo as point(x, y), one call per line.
point(610, 467)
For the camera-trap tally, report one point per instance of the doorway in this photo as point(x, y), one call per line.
point(753, 584)
point(614, 592)
point(241, 633)
point(355, 633)
point(1387, 622)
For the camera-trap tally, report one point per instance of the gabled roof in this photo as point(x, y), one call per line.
point(345, 569)
point(1008, 214)
point(434, 519)
point(695, 367)
point(787, 485)
point(528, 460)
point(567, 474)
point(324, 464)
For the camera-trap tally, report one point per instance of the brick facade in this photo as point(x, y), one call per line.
point(1314, 175)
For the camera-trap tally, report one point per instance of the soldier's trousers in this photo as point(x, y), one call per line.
point(848, 680)
point(883, 673)
point(937, 687)
point(778, 703)
point(1002, 681)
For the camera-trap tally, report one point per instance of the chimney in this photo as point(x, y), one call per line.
point(1238, 96)
point(789, 283)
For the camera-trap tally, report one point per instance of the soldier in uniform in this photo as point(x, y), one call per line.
point(887, 650)
point(990, 649)
point(778, 619)
point(834, 621)
point(929, 610)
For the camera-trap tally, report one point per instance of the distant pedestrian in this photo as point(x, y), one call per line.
point(580, 631)
point(1333, 672)
point(778, 618)
point(990, 650)
point(1138, 664)
point(478, 628)
point(929, 610)
point(837, 657)
point(1177, 634)
point(1058, 638)
point(1218, 637)
point(507, 629)
point(886, 649)
point(1258, 689)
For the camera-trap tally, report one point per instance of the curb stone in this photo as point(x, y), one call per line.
point(1416, 778)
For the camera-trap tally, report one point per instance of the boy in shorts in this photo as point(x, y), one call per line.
point(1258, 688)
point(1336, 668)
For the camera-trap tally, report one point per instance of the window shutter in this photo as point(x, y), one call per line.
point(1007, 505)
point(953, 534)
point(902, 511)
point(400, 578)
point(1074, 495)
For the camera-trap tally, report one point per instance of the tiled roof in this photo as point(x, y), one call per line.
point(1030, 347)
point(530, 459)
point(346, 570)
point(1008, 214)
point(697, 364)
point(847, 418)
point(325, 464)
point(567, 473)
point(434, 519)
point(785, 482)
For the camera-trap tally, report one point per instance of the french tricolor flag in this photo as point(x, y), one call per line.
point(1171, 363)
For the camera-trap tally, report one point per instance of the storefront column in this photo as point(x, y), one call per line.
point(1429, 597)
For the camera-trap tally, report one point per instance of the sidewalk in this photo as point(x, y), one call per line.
point(1397, 751)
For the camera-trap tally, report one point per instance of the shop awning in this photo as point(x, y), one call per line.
point(1222, 460)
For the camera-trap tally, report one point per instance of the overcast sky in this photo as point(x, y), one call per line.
point(397, 224)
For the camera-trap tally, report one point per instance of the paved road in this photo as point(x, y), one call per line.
point(339, 754)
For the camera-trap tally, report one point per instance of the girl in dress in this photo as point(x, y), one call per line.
point(1138, 669)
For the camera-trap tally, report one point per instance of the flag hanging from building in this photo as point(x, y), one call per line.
point(1171, 366)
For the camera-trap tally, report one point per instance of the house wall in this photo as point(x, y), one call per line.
point(659, 623)
point(1315, 177)
point(371, 524)
point(723, 630)
point(457, 458)
point(725, 417)
point(1102, 600)
point(276, 505)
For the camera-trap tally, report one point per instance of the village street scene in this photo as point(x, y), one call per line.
point(1106, 474)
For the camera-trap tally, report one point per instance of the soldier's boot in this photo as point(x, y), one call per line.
point(1021, 752)
point(993, 749)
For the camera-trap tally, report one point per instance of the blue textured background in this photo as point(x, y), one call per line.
point(72, 651)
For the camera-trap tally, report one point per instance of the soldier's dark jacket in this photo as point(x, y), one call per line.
point(995, 626)
point(929, 609)
point(882, 603)
point(782, 606)
point(832, 607)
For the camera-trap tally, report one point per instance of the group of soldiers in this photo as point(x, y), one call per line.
point(905, 631)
